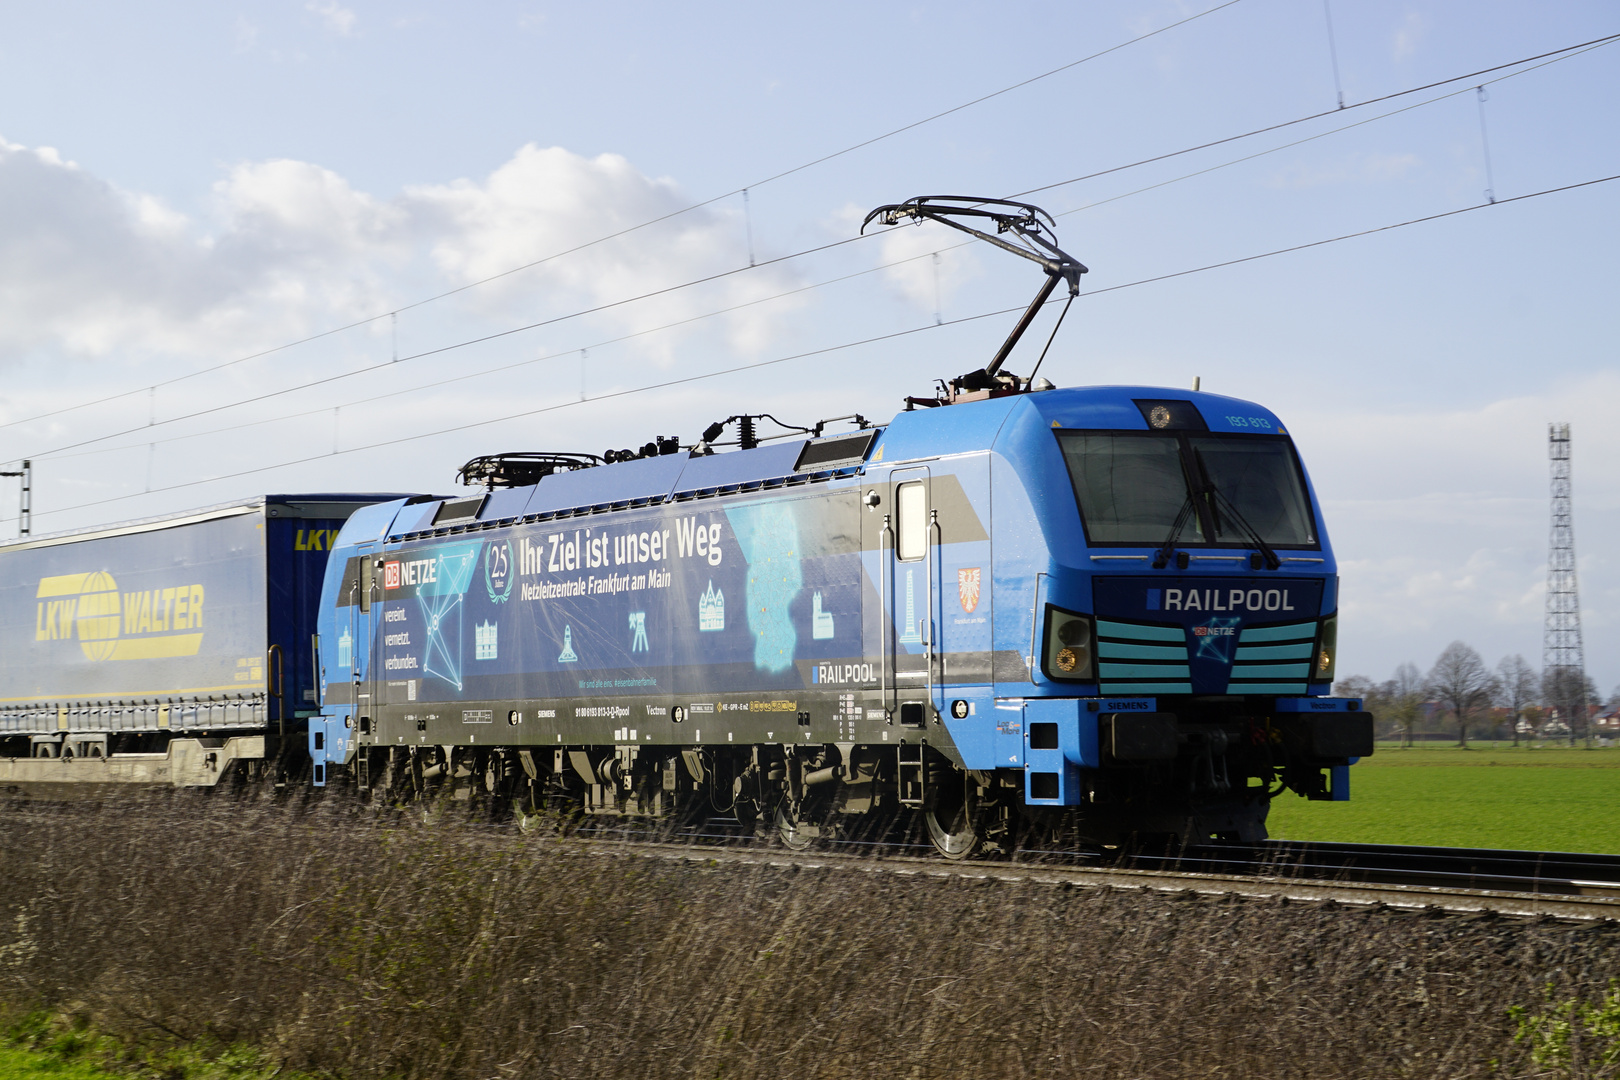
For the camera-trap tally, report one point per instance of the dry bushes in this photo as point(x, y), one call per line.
point(346, 942)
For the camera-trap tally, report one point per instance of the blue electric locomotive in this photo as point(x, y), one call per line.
point(1106, 607)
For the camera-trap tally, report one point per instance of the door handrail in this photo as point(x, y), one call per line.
point(1034, 627)
point(276, 672)
point(935, 538)
point(886, 613)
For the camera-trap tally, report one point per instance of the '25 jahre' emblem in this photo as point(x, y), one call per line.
point(967, 588)
point(498, 572)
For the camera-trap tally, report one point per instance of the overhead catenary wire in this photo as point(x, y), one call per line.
point(62, 453)
point(628, 230)
point(1582, 47)
point(826, 350)
point(440, 350)
point(1330, 131)
point(1547, 58)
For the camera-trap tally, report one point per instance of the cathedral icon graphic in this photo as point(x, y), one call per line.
point(484, 641)
point(712, 609)
point(821, 622)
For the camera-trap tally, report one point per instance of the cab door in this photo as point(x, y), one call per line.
point(366, 697)
point(913, 598)
point(331, 734)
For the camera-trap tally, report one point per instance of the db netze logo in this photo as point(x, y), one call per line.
point(391, 575)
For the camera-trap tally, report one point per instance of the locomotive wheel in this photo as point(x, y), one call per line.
point(747, 816)
point(793, 830)
point(953, 821)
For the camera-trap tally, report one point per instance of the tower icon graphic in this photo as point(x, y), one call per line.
point(910, 634)
point(821, 622)
point(567, 656)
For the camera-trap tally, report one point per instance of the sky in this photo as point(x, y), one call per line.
point(311, 245)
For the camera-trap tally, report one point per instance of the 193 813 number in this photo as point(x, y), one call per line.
point(1249, 421)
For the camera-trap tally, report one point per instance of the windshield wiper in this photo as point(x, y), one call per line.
point(1162, 556)
point(1236, 515)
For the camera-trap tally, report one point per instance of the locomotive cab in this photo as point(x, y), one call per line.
point(1180, 614)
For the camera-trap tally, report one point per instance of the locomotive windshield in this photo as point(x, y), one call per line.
point(1132, 487)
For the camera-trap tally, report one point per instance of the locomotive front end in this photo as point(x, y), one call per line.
point(1186, 619)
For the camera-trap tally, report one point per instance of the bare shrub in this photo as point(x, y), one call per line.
point(360, 944)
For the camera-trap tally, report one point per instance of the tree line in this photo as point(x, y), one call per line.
point(1462, 688)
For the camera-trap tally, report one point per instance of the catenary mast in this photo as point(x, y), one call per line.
point(1563, 659)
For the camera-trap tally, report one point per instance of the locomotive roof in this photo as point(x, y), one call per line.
point(925, 433)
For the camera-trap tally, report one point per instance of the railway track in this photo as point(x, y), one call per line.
point(1565, 885)
point(1538, 873)
point(1361, 885)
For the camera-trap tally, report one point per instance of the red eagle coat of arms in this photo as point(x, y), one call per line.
point(967, 588)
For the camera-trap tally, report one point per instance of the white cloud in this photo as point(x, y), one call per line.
point(548, 201)
point(293, 206)
point(340, 20)
point(1408, 35)
point(925, 273)
point(92, 270)
point(247, 34)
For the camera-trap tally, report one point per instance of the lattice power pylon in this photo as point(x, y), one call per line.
point(1563, 659)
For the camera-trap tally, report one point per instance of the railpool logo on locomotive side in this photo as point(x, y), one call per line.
point(1219, 600)
point(145, 624)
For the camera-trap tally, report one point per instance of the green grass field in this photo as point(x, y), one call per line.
point(39, 1045)
point(1490, 795)
point(19, 1064)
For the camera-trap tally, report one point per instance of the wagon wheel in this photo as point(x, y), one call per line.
point(954, 821)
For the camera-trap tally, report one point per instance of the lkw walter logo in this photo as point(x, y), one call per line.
point(108, 623)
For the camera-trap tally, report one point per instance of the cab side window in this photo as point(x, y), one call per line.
point(911, 501)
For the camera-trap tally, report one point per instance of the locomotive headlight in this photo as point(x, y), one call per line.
point(1068, 646)
point(1327, 650)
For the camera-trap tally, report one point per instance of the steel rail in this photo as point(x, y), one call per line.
point(1251, 886)
point(1306, 872)
point(1564, 873)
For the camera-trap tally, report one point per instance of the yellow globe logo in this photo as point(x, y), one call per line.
point(97, 617)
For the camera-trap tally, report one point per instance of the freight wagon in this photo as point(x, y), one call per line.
point(167, 650)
